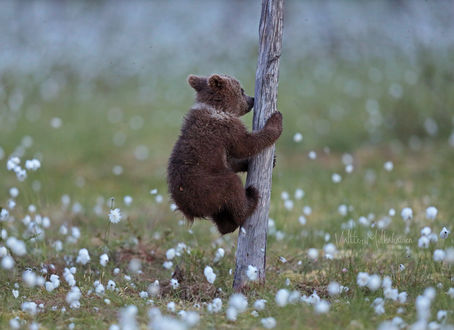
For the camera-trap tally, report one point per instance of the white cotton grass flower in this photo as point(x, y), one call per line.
point(294, 296)
point(402, 297)
point(15, 293)
point(336, 178)
point(171, 307)
point(389, 166)
point(259, 304)
point(115, 215)
point(299, 193)
point(33, 164)
point(298, 137)
point(374, 282)
point(307, 210)
point(73, 297)
point(282, 297)
point(4, 215)
point(330, 250)
point(103, 259)
point(135, 265)
point(127, 317)
point(238, 301)
point(14, 192)
point(83, 257)
point(269, 322)
point(167, 264)
point(362, 279)
point(219, 255)
point(444, 233)
point(343, 210)
point(312, 253)
point(209, 274)
point(215, 306)
point(423, 242)
point(322, 307)
point(349, 168)
point(12, 163)
point(170, 254)
point(69, 277)
point(111, 285)
point(29, 278)
point(312, 155)
point(387, 282)
point(423, 307)
point(302, 220)
point(442, 315)
point(390, 293)
point(450, 255)
point(191, 318)
point(127, 200)
point(154, 288)
point(231, 314)
point(379, 306)
point(334, 288)
point(406, 213)
point(431, 213)
point(16, 246)
point(29, 307)
point(439, 255)
point(99, 289)
point(288, 204)
point(174, 283)
point(285, 195)
point(252, 273)
point(426, 231)
point(166, 322)
point(450, 292)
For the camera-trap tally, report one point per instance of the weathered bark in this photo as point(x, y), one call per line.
point(251, 249)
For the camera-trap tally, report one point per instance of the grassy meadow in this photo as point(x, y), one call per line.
point(111, 145)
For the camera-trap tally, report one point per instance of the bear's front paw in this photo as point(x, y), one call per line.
point(275, 122)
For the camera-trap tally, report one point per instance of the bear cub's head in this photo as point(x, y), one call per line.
point(223, 93)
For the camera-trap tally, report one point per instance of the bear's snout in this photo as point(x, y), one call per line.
point(250, 103)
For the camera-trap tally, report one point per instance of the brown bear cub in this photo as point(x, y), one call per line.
point(214, 144)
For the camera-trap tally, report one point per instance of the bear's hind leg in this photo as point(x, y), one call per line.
point(225, 222)
point(243, 204)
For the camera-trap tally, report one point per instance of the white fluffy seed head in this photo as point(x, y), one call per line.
point(321, 307)
point(406, 213)
point(431, 212)
point(238, 301)
point(312, 253)
point(209, 274)
point(282, 297)
point(333, 289)
point(374, 282)
point(362, 279)
point(252, 273)
point(104, 259)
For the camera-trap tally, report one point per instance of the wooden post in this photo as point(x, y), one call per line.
point(251, 249)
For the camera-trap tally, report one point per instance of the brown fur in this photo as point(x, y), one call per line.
point(214, 144)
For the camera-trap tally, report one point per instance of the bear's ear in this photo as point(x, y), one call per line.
point(196, 82)
point(216, 81)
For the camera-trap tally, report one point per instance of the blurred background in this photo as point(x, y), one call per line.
point(97, 89)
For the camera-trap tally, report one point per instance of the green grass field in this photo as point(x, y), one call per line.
point(113, 143)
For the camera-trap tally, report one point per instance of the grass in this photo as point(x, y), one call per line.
point(78, 158)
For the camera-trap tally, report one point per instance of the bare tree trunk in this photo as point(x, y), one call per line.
point(251, 249)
